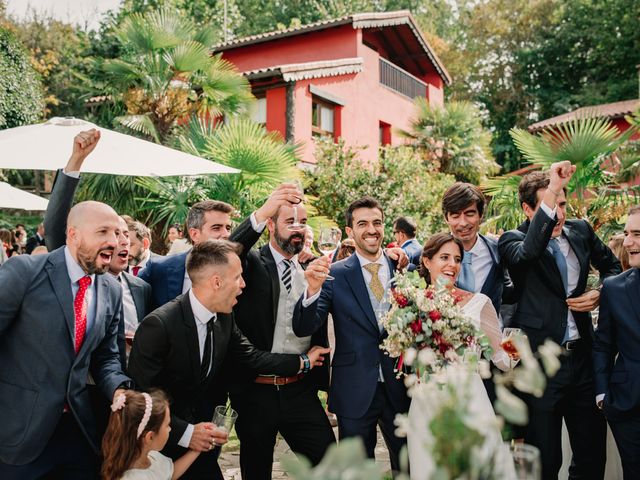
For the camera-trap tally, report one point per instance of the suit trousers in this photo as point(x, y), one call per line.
point(294, 410)
point(626, 431)
point(570, 395)
point(380, 413)
point(67, 456)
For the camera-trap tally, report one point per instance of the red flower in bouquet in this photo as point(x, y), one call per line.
point(427, 318)
point(416, 327)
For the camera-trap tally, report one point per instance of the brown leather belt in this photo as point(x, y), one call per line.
point(272, 380)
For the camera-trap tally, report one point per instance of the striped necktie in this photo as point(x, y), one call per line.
point(286, 275)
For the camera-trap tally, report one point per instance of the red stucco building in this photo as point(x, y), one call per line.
point(353, 78)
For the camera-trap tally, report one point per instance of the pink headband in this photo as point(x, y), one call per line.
point(147, 414)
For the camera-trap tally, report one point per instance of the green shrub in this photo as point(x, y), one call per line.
point(21, 101)
point(399, 180)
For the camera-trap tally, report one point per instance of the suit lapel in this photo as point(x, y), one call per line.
point(270, 264)
point(175, 278)
point(101, 293)
point(191, 334)
point(355, 279)
point(138, 296)
point(583, 259)
point(632, 284)
point(59, 277)
point(493, 251)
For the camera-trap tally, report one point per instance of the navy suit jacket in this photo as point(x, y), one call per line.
point(39, 369)
point(358, 357)
point(166, 276)
point(618, 334)
point(413, 249)
point(498, 285)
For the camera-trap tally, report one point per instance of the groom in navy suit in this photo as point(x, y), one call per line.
point(617, 379)
point(364, 390)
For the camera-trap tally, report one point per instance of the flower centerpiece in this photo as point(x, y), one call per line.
point(428, 323)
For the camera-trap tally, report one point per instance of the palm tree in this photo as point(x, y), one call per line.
point(167, 74)
point(588, 143)
point(453, 137)
point(262, 157)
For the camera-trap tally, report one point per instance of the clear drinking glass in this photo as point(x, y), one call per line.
point(328, 242)
point(526, 460)
point(224, 418)
point(296, 225)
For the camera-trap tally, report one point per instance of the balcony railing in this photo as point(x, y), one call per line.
point(401, 81)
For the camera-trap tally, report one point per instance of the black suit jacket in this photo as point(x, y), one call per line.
point(257, 307)
point(166, 355)
point(32, 243)
point(616, 364)
point(542, 308)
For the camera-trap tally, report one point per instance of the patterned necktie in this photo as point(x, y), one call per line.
point(80, 311)
point(286, 275)
point(561, 262)
point(375, 285)
point(466, 280)
point(206, 355)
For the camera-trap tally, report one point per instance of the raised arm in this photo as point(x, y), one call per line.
point(64, 189)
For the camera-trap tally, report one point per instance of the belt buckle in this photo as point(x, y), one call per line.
point(275, 380)
point(571, 345)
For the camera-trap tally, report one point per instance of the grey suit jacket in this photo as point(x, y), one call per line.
point(60, 202)
point(39, 370)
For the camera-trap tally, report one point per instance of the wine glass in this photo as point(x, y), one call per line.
point(509, 346)
point(328, 242)
point(296, 225)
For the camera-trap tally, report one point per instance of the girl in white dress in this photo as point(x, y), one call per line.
point(441, 259)
point(138, 429)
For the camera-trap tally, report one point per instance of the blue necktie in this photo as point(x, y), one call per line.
point(466, 280)
point(561, 262)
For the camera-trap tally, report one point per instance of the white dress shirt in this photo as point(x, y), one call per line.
point(481, 263)
point(76, 273)
point(202, 316)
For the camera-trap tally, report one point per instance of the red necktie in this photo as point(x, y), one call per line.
point(80, 310)
point(136, 269)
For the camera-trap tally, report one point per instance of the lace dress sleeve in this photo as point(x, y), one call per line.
point(491, 328)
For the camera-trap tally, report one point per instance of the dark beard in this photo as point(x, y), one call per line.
point(286, 245)
point(90, 265)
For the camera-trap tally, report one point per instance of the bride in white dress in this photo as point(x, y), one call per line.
point(442, 259)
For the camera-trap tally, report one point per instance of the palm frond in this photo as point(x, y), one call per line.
point(188, 56)
point(140, 123)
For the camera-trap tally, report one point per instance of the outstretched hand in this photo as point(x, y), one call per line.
point(286, 194)
point(83, 144)
point(315, 275)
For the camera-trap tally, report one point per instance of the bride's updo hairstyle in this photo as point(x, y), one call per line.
point(432, 247)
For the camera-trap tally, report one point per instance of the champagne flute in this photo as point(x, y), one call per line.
point(296, 225)
point(508, 344)
point(328, 242)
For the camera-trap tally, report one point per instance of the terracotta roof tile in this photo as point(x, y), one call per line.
point(606, 110)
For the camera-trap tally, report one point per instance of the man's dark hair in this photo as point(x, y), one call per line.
point(634, 210)
point(195, 218)
point(210, 252)
point(177, 226)
point(18, 225)
point(459, 196)
point(366, 202)
point(140, 229)
point(529, 186)
point(405, 225)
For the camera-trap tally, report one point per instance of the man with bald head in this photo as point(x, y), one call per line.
point(59, 319)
